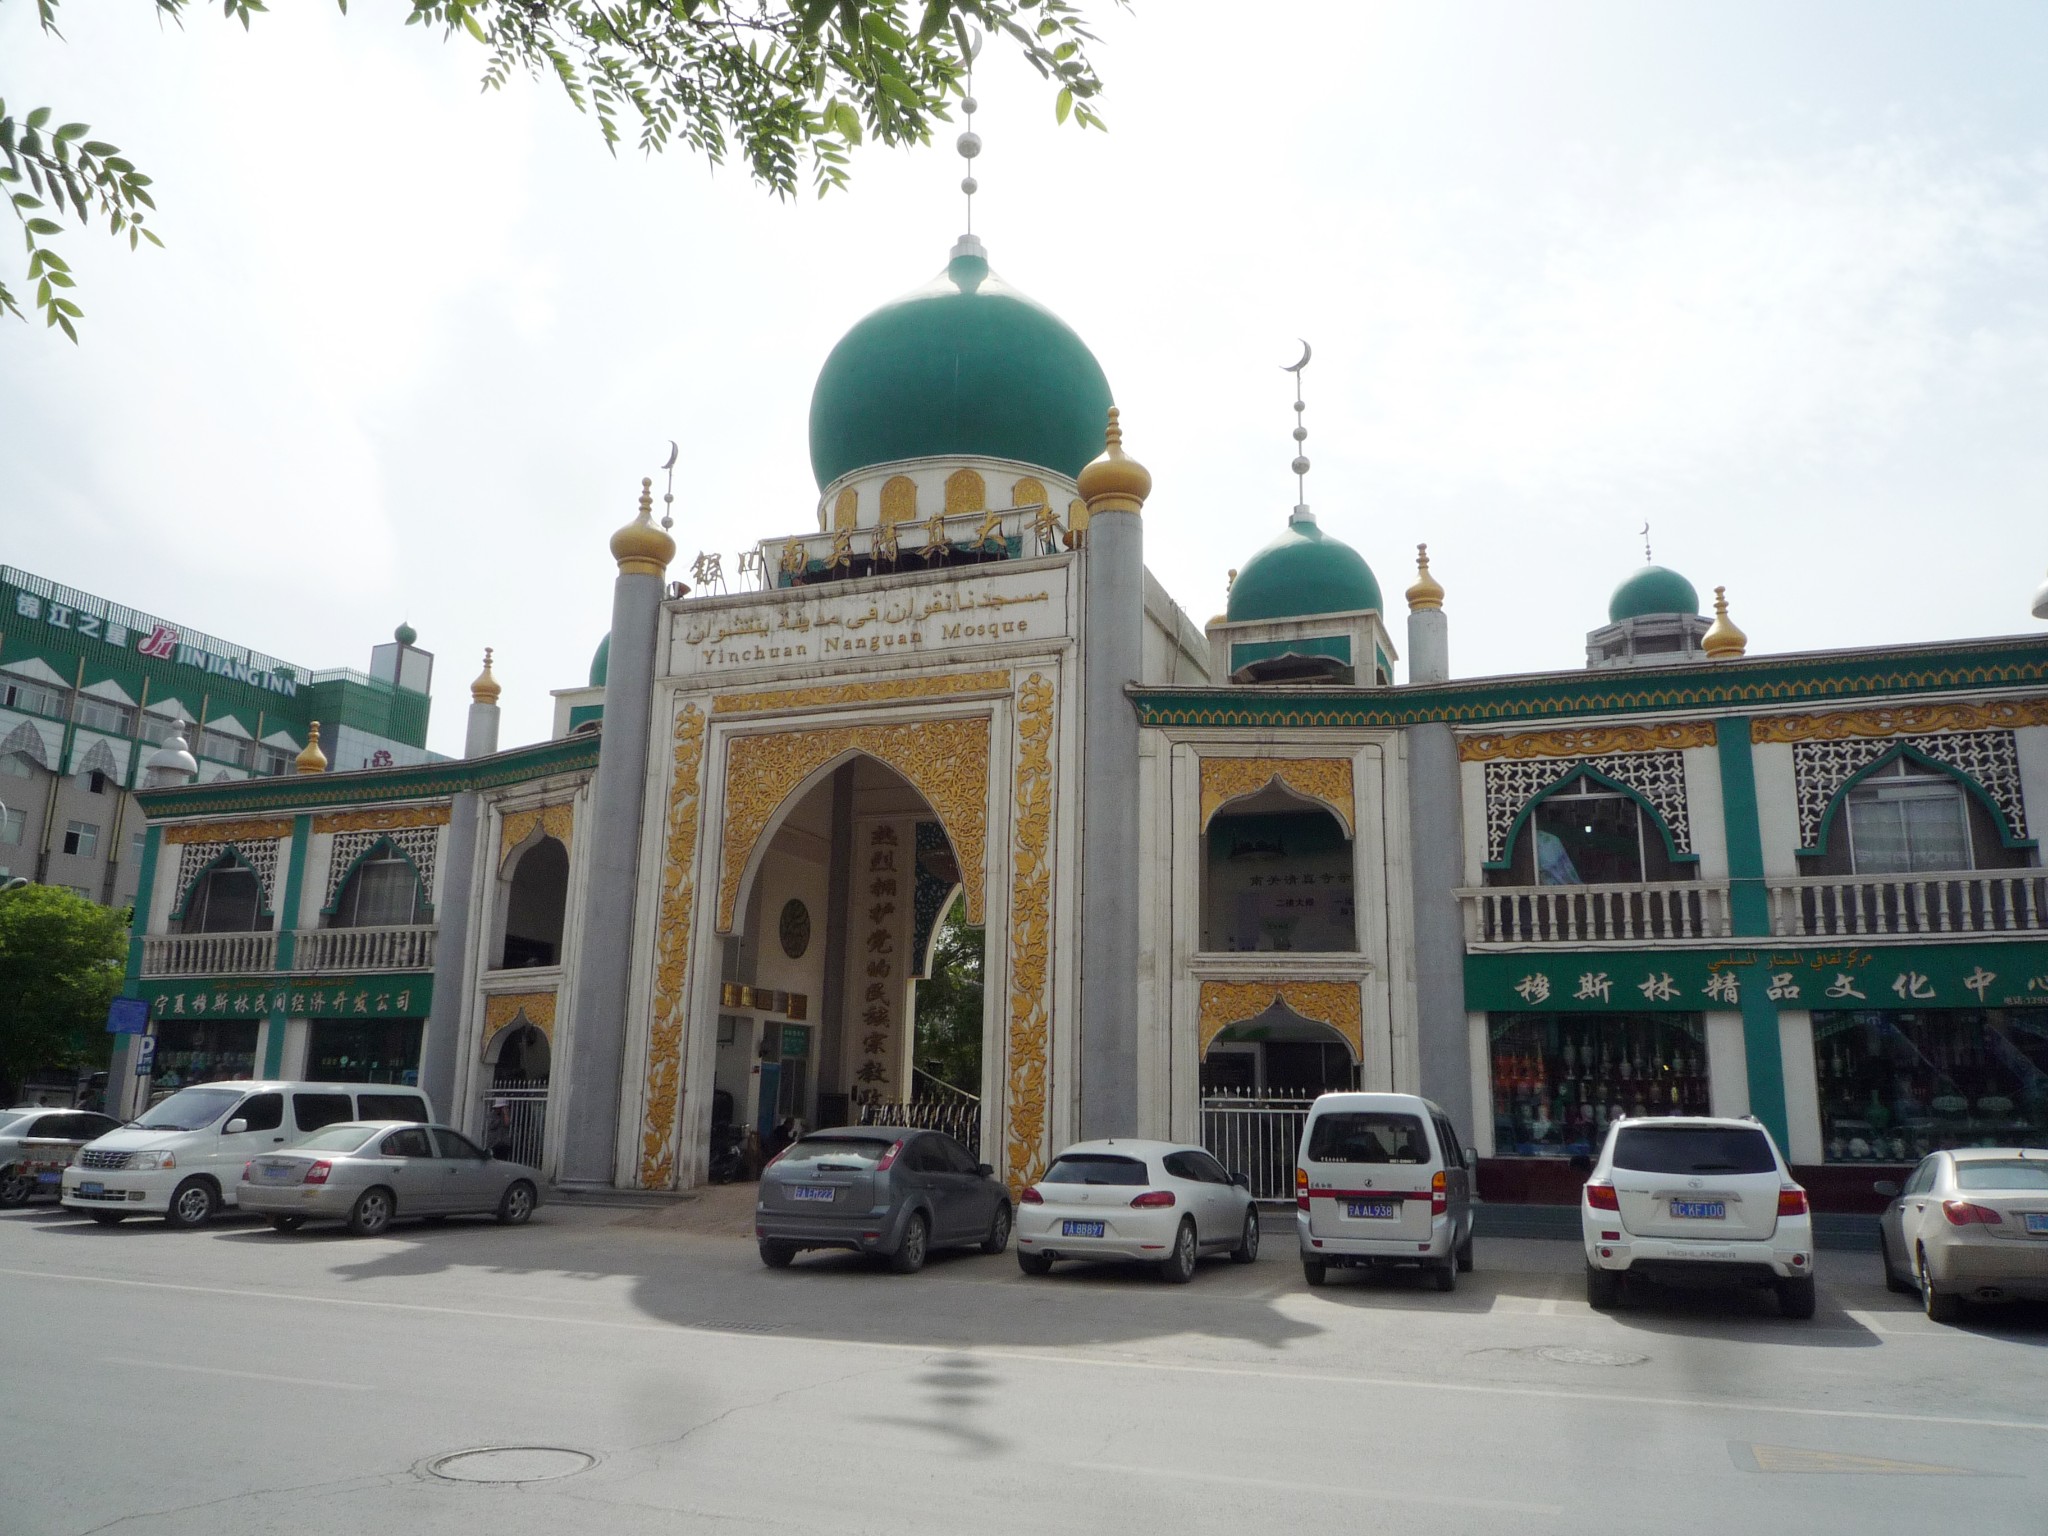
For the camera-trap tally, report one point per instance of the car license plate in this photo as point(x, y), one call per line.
point(278, 1171)
point(1080, 1229)
point(92, 1189)
point(1376, 1210)
point(1700, 1210)
point(48, 1176)
point(2037, 1222)
point(811, 1192)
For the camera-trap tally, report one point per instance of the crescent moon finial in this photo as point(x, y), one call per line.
point(674, 453)
point(1307, 352)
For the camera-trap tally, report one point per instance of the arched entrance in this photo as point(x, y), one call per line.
point(1269, 1048)
point(519, 1058)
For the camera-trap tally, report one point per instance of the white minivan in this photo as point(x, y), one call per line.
point(183, 1159)
point(1382, 1180)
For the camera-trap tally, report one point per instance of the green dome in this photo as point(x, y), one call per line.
point(1652, 590)
point(601, 663)
point(1303, 572)
point(965, 365)
point(405, 634)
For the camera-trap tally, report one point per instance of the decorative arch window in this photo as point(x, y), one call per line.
point(1587, 832)
point(383, 891)
point(1277, 876)
point(535, 903)
point(1909, 817)
point(228, 898)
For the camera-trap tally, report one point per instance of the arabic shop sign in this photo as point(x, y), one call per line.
point(1702, 980)
point(335, 997)
point(162, 642)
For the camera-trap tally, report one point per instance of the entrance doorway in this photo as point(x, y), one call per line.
point(1259, 1077)
point(516, 1112)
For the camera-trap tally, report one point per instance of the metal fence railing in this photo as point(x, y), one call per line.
point(1257, 1135)
point(515, 1121)
point(959, 1118)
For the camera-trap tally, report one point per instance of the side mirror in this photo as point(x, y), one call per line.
point(1471, 1157)
point(235, 1127)
point(1240, 1178)
point(1886, 1188)
point(985, 1170)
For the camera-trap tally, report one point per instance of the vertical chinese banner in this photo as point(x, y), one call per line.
point(879, 963)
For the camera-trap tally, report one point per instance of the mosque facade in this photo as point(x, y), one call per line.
point(1218, 868)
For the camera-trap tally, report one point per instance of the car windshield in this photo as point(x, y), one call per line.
point(190, 1108)
point(1096, 1168)
point(863, 1151)
point(1370, 1137)
point(1693, 1149)
point(335, 1138)
point(1986, 1174)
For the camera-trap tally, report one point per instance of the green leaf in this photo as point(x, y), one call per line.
point(44, 227)
point(40, 116)
point(72, 131)
point(1065, 104)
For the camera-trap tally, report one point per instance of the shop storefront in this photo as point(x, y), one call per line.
point(1559, 1079)
point(1895, 1085)
point(364, 1050)
point(203, 1051)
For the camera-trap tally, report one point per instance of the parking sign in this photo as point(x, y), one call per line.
point(145, 1055)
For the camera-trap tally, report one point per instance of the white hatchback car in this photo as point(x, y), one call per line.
point(1154, 1201)
point(1696, 1200)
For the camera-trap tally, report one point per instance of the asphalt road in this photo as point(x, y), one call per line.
point(234, 1380)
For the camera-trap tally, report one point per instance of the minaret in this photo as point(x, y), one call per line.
point(1113, 583)
point(482, 739)
point(1429, 636)
point(612, 851)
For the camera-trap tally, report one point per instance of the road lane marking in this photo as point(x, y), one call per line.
point(1867, 1319)
point(1394, 1383)
point(1296, 1486)
point(1795, 1458)
point(215, 1370)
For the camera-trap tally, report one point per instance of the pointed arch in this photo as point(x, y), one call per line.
point(2008, 835)
point(1674, 845)
point(227, 858)
point(28, 741)
point(384, 845)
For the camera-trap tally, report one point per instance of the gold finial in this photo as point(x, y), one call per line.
point(485, 689)
point(1116, 482)
point(1230, 580)
point(312, 760)
point(1723, 641)
point(1427, 594)
point(641, 548)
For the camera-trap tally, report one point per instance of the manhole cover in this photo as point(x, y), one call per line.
point(1563, 1354)
point(511, 1464)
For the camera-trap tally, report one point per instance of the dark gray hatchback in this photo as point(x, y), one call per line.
point(883, 1190)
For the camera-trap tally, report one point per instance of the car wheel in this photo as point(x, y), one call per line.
point(1315, 1271)
point(1941, 1306)
point(15, 1188)
point(909, 1256)
point(1179, 1269)
point(777, 1255)
point(286, 1223)
point(108, 1218)
point(1446, 1274)
point(516, 1204)
point(1796, 1297)
point(1465, 1253)
point(1892, 1282)
point(192, 1204)
point(998, 1230)
point(1603, 1289)
point(1247, 1249)
point(371, 1213)
point(1033, 1263)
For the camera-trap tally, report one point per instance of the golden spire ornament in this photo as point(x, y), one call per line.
point(485, 689)
point(312, 760)
point(1723, 641)
point(1427, 593)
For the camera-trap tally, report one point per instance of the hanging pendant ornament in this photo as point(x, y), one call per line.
point(969, 142)
point(1300, 465)
point(668, 498)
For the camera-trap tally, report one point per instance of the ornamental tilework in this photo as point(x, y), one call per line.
point(1821, 768)
point(260, 854)
point(1511, 783)
point(418, 844)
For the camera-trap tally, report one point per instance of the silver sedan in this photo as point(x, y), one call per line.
point(1970, 1225)
point(369, 1173)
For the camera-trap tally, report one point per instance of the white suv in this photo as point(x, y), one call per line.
point(1693, 1200)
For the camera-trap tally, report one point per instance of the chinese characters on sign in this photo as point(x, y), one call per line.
point(1905, 976)
point(878, 964)
point(214, 1000)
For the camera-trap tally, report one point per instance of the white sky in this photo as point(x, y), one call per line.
point(1774, 278)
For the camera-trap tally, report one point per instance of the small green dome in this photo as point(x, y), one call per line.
point(964, 365)
point(1303, 572)
point(1650, 590)
point(405, 634)
point(601, 663)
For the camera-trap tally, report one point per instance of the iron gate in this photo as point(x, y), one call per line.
point(1257, 1135)
point(958, 1118)
point(515, 1121)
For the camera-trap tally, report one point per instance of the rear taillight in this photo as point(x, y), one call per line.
point(1031, 1196)
point(1301, 1189)
point(245, 1170)
point(1791, 1202)
point(1153, 1200)
point(888, 1157)
point(1601, 1197)
point(1963, 1213)
point(317, 1174)
point(1439, 1199)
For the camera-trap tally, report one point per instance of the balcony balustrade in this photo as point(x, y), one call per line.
point(1636, 912)
point(348, 950)
point(1852, 906)
point(209, 954)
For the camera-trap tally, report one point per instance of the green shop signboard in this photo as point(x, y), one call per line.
point(1701, 980)
point(330, 997)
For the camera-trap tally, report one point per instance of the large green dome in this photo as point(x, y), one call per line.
point(1653, 589)
point(601, 663)
point(1303, 572)
point(964, 366)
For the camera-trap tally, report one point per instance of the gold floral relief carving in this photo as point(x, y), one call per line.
point(1591, 741)
point(946, 761)
point(1030, 1025)
point(1339, 1004)
point(846, 509)
point(882, 690)
point(664, 1074)
point(554, 821)
point(504, 1008)
point(965, 492)
point(1907, 719)
point(251, 831)
point(1327, 779)
point(395, 819)
point(899, 500)
point(1028, 492)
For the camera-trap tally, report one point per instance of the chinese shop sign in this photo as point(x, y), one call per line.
point(351, 997)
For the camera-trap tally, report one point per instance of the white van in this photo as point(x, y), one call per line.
point(1381, 1179)
point(183, 1159)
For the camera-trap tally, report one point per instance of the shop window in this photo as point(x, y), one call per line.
point(202, 1051)
point(1895, 1085)
point(1584, 833)
point(81, 838)
point(1560, 1079)
point(382, 892)
point(364, 1051)
point(534, 906)
point(228, 898)
point(1278, 881)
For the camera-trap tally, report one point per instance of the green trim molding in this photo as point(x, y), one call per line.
point(1337, 647)
point(1933, 765)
